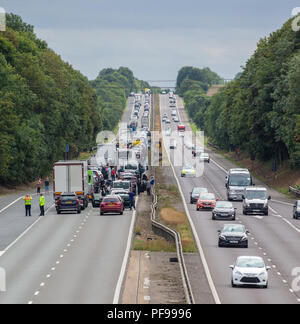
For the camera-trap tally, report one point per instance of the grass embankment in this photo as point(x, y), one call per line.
point(169, 197)
point(279, 180)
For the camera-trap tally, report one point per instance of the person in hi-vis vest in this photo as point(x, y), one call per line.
point(27, 200)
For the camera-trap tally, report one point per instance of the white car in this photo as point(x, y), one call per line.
point(188, 171)
point(250, 271)
point(168, 132)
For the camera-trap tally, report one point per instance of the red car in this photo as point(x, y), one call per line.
point(112, 204)
point(206, 200)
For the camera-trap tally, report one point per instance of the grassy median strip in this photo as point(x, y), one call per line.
point(170, 211)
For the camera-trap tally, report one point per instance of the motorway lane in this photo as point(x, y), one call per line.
point(66, 258)
point(82, 254)
point(13, 221)
point(265, 232)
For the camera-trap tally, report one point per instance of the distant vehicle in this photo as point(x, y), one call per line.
point(173, 144)
point(237, 180)
point(296, 210)
point(204, 157)
point(175, 119)
point(256, 200)
point(188, 171)
point(68, 202)
point(124, 195)
point(164, 119)
point(224, 210)
point(71, 176)
point(168, 132)
point(250, 271)
point(195, 194)
point(181, 128)
point(197, 151)
point(122, 185)
point(206, 201)
point(233, 235)
point(96, 199)
point(112, 204)
point(163, 92)
point(173, 113)
point(168, 121)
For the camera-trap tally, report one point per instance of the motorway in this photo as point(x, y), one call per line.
point(67, 258)
point(276, 237)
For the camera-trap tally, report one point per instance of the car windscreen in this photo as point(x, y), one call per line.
point(256, 194)
point(207, 196)
point(234, 229)
point(199, 190)
point(241, 180)
point(250, 263)
point(110, 200)
point(224, 204)
point(64, 198)
point(124, 185)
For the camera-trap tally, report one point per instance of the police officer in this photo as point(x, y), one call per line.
point(42, 205)
point(27, 200)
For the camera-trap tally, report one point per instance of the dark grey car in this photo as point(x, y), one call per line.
point(195, 194)
point(224, 210)
point(233, 235)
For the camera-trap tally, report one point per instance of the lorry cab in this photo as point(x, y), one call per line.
point(237, 180)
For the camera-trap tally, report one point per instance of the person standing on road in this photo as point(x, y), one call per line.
point(38, 186)
point(113, 174)
point(131, 199)
point(42, 205)
point(148, 188)
point(47, 184)
point(27, 200)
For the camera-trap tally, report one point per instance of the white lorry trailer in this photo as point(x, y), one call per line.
point(71, 176)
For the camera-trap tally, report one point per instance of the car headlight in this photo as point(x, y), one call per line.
point(222, 237)
point(237, 273)
point(244, 238)
point(262, 274)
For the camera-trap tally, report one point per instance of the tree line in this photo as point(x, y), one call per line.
point(258, 112)
point(46, 104)
point(113, 86)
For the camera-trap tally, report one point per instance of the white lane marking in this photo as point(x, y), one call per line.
point(3, 209)
point(273, 210)
point(259, 217)
point(53, 269)
point(282, 202)
point(25, 232)
point(36, 293)
point(200, 249)
point(30, 302)
point(48, 276)
point(293, 226)
point(125, 259)
point(42, 284)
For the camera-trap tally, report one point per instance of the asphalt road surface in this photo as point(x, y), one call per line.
point(67, 258)
point(276, 237)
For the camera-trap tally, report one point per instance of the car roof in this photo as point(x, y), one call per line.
point(238, 170)
point(256, 188)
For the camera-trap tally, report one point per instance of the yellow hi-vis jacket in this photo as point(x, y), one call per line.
point(42, 201)
point(27, 200)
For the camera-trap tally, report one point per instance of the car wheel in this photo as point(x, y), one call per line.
point(244, 212)
point(121, 213)
point(101, 213)
point(79, 211)
point(213, 218)
point(191, 201)
point(266, 213)
point(58, 212)
point(232, 284)
point(198, 209)
point(266, 286)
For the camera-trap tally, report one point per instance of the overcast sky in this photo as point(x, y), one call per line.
point(153, 38)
